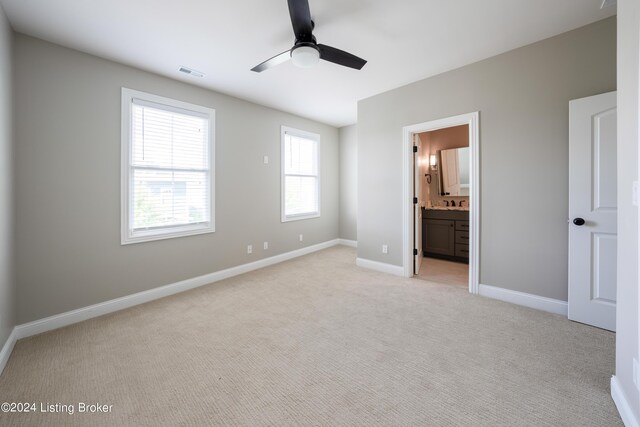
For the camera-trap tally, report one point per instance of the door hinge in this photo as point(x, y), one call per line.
point(415, 252)
point(415, 200)
point(415, 148)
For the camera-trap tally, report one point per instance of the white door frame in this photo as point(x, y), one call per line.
point(471, 119)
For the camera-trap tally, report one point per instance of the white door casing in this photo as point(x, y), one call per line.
point(417, 208)
point(593, 199)
point(473, 120)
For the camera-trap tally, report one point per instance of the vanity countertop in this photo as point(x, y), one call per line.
point(448, 208)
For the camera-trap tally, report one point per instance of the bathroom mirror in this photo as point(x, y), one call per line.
point(454, 172)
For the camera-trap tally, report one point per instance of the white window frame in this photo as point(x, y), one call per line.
point(128, 235)
point(302, 134)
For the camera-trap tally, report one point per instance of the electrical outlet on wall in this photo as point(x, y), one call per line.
point(385, 249)
point(301, 238)
point(265, 246)
point(249, 249)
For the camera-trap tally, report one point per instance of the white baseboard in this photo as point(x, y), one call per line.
point(528, 300)
point(622, 403)
point(75, 316)
point(7, 348)
point(346, 242)
point(396, 270)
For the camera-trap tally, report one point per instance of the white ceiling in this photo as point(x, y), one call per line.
point(403, 40)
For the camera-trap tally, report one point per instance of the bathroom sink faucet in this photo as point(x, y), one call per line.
point(453, 203)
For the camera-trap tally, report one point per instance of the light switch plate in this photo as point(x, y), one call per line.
point(265, 159)
point(636, 193)
point(636, 380)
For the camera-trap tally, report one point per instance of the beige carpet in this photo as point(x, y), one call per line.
point(318, 341)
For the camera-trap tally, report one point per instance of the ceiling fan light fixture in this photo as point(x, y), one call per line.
point(305, 56)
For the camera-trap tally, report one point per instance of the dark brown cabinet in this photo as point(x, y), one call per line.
point(439, 236)
point(445, 234)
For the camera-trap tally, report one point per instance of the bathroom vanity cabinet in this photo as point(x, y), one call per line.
point(445, 234)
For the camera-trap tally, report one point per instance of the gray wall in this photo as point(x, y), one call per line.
point(628, 111)
point(7, 283)
point(348, 182)
point(68, 184)
point(523, 99)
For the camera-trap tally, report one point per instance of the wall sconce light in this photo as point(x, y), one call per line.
point(433, 161)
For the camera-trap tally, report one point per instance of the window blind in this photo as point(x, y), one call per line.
point(169, 167)
point(301, 180)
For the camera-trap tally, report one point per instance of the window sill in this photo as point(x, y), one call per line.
point(300, 217)
point(149, 236)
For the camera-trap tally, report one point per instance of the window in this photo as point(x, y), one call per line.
point(167, 168)
point(300, 174)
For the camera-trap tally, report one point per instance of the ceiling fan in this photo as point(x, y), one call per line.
point(306, 52)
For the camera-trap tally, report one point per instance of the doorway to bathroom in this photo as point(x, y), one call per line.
point(442, 182)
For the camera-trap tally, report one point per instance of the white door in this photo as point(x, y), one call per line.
point(417, 207)
point(593, 210)
point(450, 176)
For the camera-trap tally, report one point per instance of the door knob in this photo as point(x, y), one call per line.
point(578, 221)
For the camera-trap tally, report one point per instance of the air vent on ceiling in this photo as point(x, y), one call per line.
point(608, 3)
point(190, 71)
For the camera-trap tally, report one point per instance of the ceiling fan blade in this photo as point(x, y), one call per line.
point(300, 19)
point(340, 57)
point(272, 62)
